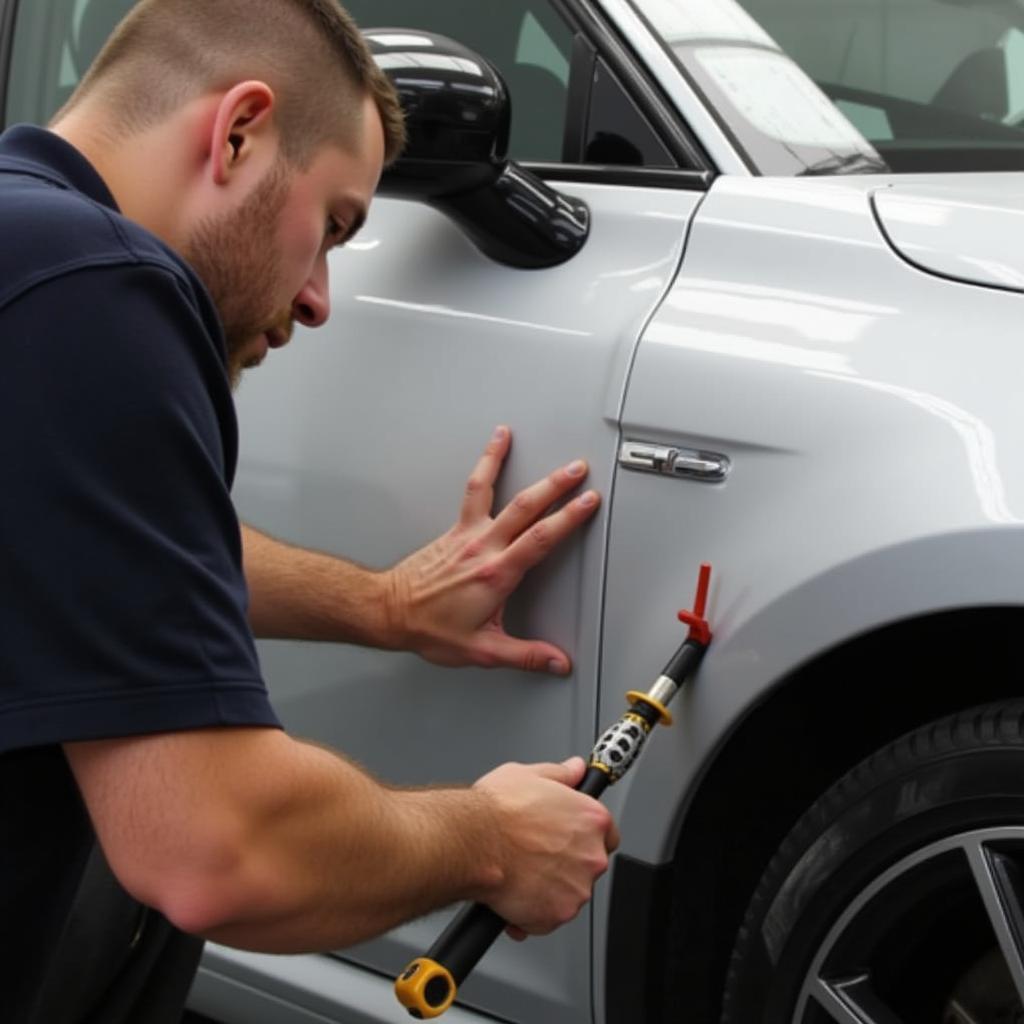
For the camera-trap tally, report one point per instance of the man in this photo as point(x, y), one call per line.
point(164, 235)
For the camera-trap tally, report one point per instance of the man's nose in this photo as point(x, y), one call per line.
point(312, 306)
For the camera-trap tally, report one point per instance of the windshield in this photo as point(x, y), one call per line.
point(853, 86)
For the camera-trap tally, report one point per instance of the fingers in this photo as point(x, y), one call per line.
point(542, 537)
point(568, 772)
point(502, 650)
point(612, 839)
point(479, 495)
point(529, 504)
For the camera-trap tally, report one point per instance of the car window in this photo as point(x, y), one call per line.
point(929, 85)
point(913, 75)
point(617, 132)
point(55, 41)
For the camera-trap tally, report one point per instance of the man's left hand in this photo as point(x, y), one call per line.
point(446, 601)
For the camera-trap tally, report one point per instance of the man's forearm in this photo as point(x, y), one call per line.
point(296, 594)
point(256, 840)
point(342, 859)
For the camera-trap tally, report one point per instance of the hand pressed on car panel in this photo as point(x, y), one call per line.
point(556, 844)
point(447, 600)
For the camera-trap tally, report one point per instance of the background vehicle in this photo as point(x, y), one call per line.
point(818, 304)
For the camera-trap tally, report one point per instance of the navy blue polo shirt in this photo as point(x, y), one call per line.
point(122, 598)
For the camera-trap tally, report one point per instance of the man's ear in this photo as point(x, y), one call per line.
point(243, 129)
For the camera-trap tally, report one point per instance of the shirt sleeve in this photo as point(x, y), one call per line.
point(123, 605)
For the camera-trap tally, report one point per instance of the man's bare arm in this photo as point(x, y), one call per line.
point(259, 841)
point(298, 594)
point(445, 602)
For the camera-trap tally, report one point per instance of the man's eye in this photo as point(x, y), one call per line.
point(335, 232)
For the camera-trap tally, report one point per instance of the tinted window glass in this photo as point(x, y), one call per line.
point(930, 85)
point(934, 84)
point(617, 132)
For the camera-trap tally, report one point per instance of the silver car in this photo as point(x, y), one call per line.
point(761, 264)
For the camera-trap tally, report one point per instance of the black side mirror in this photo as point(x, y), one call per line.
point(458, 113)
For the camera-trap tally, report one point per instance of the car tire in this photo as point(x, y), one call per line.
point(899, 895)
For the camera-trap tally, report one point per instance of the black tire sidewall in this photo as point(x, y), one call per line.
point(909, 796)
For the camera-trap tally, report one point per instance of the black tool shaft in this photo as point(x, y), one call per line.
point(469, 935)
point(684, 661)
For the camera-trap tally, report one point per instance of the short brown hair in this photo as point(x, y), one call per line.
point(167, 52)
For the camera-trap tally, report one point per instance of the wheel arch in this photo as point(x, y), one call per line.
point(800, 741)
point(789, 744)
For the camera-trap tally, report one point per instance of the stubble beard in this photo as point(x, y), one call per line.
point(235, 256)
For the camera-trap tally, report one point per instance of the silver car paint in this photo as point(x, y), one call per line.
point(830, 412)
point(875, 466)
point(359, 440)
point(838, 516)
point(247, 988)
point(958, 227)
point(783, 344)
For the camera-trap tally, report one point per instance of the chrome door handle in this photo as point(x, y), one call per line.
point(685, 463)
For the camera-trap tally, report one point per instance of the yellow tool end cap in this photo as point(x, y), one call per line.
point(425, 989)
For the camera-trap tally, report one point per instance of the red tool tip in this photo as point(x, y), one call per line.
point(699, 628)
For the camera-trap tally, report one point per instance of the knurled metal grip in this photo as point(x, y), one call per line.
point(619, 746)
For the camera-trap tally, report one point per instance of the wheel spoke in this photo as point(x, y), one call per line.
point(992, 876)
point(851, 1002)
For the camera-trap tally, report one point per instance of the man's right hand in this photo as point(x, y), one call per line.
point(554, 844)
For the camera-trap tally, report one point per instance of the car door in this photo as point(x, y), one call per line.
point(358, 437)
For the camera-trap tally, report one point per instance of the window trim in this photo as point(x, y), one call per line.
point(577, 105)
point(723, 125)
point(665, 121)
point(612, 174)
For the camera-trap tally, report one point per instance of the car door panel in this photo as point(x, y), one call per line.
point(358, 439)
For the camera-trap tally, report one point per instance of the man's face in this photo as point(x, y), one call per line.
point(265, 262)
